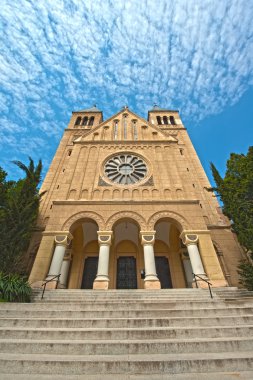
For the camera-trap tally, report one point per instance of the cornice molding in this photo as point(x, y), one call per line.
point(132, 202)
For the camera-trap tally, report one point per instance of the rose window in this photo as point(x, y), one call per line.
point(125, 169)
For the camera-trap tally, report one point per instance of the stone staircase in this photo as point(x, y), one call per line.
point(128, 335)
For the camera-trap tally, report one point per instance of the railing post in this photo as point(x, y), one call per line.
point(47, 281)
point(203, 279)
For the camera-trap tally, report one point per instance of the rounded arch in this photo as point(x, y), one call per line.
point(84, 215)
point(180, 222)
point(123, 215)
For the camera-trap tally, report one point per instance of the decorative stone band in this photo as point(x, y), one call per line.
point(105, 237)
point(147, 237)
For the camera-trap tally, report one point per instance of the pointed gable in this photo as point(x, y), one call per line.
point(126, 126)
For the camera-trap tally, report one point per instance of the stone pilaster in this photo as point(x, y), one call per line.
point(102, 278)
point(151, 280)
point(62, 240)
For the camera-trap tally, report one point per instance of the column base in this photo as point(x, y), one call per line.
point(152, 284)
point(51, 285)
point(36, 284)
point(215, 284)
point(219, 283)
point(62, 286)
point(100, 285)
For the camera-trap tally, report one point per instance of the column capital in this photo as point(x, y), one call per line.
point(105, 237)
point(189, 237)
point(147, 237)
point(63, 238)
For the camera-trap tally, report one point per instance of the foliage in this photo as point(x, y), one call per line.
point(19, 205)
point(236, 193)
point(14, 288)
point(245, 272)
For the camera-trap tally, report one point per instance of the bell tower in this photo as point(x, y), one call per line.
point(86, 119)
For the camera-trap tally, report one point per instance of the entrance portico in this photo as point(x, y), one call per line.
point(114, 259)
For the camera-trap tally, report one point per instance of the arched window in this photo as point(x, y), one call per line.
point(165, 120)
point(91, 121)
point(115, 134)
point(135, 133)
point(78, 120)
point(172, 120)
point(85, 121)
point(159, 121)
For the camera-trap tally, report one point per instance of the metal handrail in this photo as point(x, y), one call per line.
point(47, 281)
point(203, 279)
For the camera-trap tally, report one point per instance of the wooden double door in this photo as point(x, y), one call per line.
point(126, 277)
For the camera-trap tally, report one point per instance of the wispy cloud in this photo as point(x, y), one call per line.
point(63, 55)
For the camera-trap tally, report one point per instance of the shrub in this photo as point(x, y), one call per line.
point(14, 288)
point(245, 271)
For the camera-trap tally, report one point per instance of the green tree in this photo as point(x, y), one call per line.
point(18, 214)
point(236, 193)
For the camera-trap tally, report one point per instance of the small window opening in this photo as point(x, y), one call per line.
point(200, 205)
point(85, 121)
point(91, 121)
point(69, 152)
point(78, 120)
point(63, 170)
point(159, 121)
point(58, 187)
point(172, 120)
point(181, 152)
point(193, 185)
point(51, 207)
point(188, 169)
point(165, 120)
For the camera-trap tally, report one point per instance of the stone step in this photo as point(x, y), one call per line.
point(104, 306)
point(133, 293)
point(123, 299)
point(127, 322)
point(126, 333)
point(125, 303)
point(58, 312)
point(141, 364)
point(123, 347)
point(231, 375)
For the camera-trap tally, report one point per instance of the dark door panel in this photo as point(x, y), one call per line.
point(89, 272)
point(126, 273)
point(163, 271)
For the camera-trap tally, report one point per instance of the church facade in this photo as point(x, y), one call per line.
point(127, 207)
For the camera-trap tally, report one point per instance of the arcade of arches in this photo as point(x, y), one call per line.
point(128, 258)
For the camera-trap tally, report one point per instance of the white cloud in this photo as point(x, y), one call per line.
point(58, 56)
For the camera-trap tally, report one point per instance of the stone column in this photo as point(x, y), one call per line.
point(187, 267)
point(61, 242)
point(191, 241)
point(65, 270)
point(102, 278)
point(151, 280)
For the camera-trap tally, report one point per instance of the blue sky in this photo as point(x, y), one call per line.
point(64, 55)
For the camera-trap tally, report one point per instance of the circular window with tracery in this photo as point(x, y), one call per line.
point(125, 169)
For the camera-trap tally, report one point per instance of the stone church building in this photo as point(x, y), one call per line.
point(127, 207)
